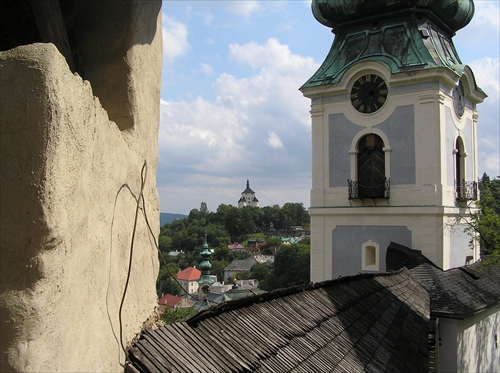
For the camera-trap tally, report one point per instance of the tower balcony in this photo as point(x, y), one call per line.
point(466, 191)
point(371, 191)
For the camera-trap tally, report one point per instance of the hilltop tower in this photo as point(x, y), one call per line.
point(393, 135)
point(248, 198)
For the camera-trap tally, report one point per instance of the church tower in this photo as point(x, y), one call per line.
point(393, 135)
point(248, 198)
point(205, 280)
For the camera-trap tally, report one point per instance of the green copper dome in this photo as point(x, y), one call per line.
point(401, 35)
point(455, 14)
point(205, 264)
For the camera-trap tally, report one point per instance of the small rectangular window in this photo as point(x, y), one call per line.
point(370, 256)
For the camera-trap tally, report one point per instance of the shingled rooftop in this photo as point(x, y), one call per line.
point(368, 322)
point(457, 293)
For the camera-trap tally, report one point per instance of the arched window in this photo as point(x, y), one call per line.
point(465, 190)
point(371, 167)
point(459, 167)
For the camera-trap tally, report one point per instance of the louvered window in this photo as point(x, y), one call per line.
point(371, 167)
point(464, 190)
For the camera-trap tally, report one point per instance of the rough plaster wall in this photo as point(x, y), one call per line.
point(69, 183)
point(478, 349)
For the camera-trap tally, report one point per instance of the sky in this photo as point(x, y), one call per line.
point(231, 109)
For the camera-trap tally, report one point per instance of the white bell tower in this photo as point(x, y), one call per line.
point(393, 136)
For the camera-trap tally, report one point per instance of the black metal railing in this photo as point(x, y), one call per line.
point(360, 191)
point(466, 191)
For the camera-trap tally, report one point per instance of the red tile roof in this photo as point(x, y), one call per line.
point(189, 274)
point(169, 300)
point(235, 246)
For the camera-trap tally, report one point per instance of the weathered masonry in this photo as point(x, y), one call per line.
point(79, 113)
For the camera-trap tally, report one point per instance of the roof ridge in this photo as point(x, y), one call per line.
point(279, 293)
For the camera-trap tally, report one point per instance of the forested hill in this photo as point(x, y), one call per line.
point(166, 217)
point(230, 224)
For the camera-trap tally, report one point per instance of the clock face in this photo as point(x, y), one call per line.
point(368, 93)
point(458, 99)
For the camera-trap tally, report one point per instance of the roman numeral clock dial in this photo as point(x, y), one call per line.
point(368, 93)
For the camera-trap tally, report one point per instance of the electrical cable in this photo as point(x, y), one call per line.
point(139, 199)
point(143, 181)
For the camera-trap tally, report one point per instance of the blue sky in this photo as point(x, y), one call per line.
point(231, 109)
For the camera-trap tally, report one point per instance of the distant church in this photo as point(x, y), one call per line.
point(394, 126)
point(248, 198)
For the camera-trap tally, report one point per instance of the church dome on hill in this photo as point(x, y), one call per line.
point(455, 14)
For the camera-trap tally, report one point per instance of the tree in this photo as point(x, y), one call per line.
point(218, 268)
point(291, 267)
point(270, 243)
point(486, 222)
point(203, 208)
point(165, 284)
point(261, 272)
point(178, 315)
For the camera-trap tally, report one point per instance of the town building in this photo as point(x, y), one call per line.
point(394, 123)
point(188, 280)
point(238, 266)
point(236, 247)
point(248, 198)
point(393, 116)
point(417, 318)
point(169, 302)
point(372, 322)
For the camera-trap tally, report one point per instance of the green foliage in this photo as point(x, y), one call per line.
point(218, 268)
point(178, 315)
point(165, 284)
point(261, 272)
point(227, 225)
point(291, 267)
point(203, 208)
point(244, 275)
point(487, 221)
point(270, 242)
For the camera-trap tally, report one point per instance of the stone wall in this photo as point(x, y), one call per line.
point(72, 153)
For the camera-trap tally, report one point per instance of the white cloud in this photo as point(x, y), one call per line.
point(481, 35)
point(226, 138)
point(242, 7)
point(478, 46)
point(206, 69)
point(175, 43)
point(487, 14)
point(486, 71)
point(272, 55)
point(274, 141)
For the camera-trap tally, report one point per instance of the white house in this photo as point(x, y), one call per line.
point(188, 279)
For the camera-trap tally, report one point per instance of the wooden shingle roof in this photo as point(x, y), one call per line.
point(371, 323)
point(457, 293)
